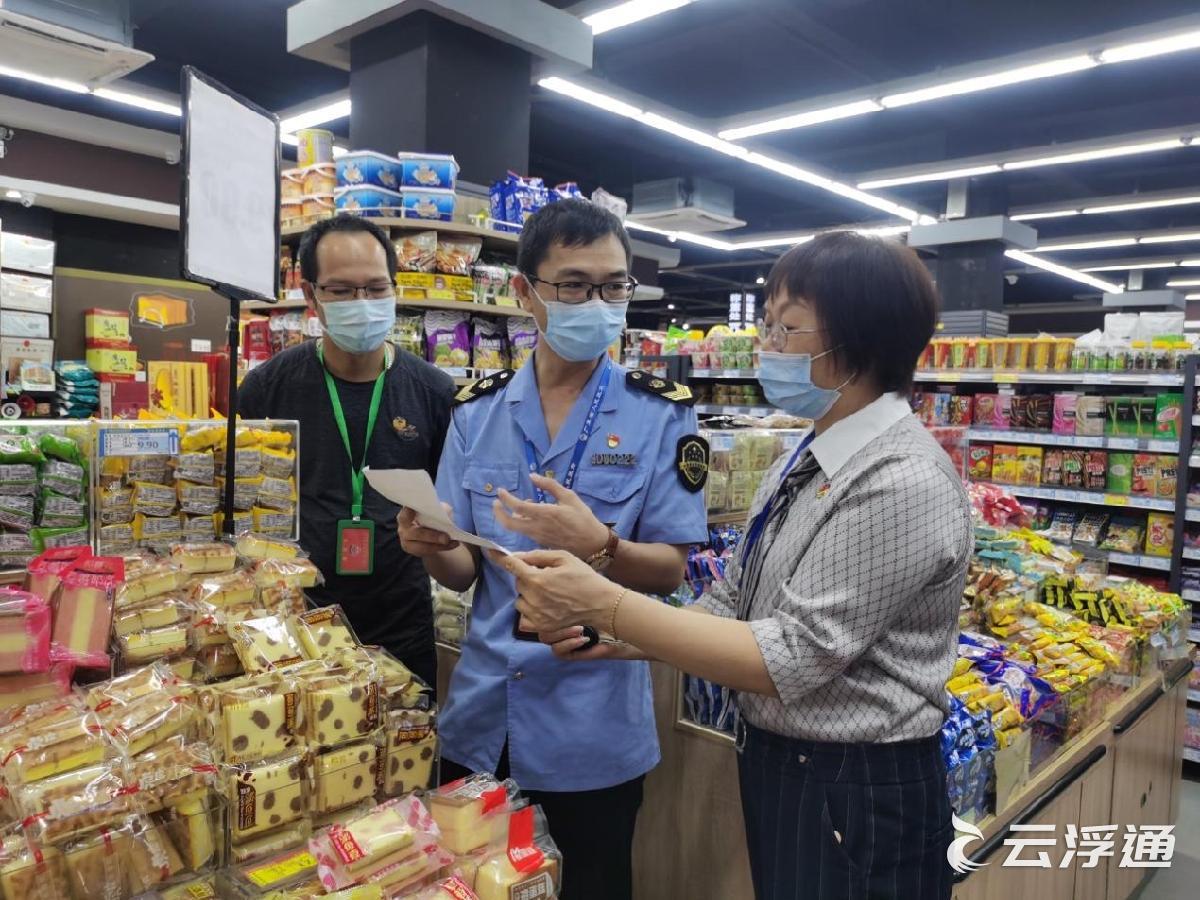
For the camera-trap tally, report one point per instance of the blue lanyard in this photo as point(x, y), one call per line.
point(758, 525)
point(581, 442)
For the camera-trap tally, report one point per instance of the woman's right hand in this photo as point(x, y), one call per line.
point(418, 541)
point(566, 643)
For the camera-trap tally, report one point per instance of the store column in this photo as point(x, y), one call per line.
point(970, 264)
point(442, 76)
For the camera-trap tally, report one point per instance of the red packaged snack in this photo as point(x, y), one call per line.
point(1052, 467)
point(1073, 468)
point(83, 611)
point(960, 410)
point(985, 410)
point(1017, 412)
point(46, 570)
point(980, 461)
point(1095, 470)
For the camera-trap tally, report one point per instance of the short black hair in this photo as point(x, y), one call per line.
point(572, 223)
point(873, 296)
point(307, 254)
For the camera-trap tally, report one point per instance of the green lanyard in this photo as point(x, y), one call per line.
point(357, 477)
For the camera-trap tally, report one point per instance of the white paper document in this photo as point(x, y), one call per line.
point(413, 489)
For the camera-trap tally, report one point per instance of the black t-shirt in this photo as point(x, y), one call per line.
point(392, 606)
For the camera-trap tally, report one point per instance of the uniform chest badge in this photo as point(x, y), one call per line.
point(614, 441)
point(823, 491)
point(404, 428)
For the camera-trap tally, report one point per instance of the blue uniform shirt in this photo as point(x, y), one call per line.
point(570, 726)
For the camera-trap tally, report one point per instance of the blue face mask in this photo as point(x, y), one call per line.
point(360, 326)
point(579, 332)
point(786, 380)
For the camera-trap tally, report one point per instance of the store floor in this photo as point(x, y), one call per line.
point(1182, 878)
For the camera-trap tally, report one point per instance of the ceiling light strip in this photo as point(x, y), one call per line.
point(1141, 204)
point(713, 142)
point(1038, 262)
point(1126, 267)
point(1053, 68)
point(627, 13)
point(1052, 214)
point(1184, 282)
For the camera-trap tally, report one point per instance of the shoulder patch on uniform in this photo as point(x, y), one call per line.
point(668, 390)
point(483, 387)
point(691, 461)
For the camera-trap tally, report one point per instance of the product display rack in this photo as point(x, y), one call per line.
point(1093, 383)
point(497, 239)
point(1191, 595)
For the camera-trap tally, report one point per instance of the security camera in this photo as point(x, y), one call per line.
point(6, 135)
point(28, 199)
point(1011, 279)
point(172, 157)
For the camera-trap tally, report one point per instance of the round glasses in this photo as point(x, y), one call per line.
point(775, 337)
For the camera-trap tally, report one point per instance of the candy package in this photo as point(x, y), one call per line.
point(417, 251)
point(1090, 528)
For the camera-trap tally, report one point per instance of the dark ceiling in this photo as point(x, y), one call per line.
point(718, 58)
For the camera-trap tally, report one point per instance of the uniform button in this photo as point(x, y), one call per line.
point(489, 487)
point(517, 676)
point(801, 758)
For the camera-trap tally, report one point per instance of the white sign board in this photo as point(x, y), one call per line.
point(230, 190)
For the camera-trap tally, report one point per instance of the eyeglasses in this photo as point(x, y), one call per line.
point(376, 290)
point(583, 291)
point(775, 337)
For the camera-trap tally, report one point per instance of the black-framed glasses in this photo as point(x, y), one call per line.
point(775, 337)
point(583, 291)
point(376, 290)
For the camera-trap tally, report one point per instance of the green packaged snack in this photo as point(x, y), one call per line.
point(1120, 473)
point(20, 448)
point(1168, 414)
point(55, 446)
point(1144, 409)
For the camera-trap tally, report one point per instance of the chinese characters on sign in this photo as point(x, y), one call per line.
point(1144, 847)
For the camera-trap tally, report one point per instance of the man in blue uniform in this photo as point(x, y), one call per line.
point(574, 453)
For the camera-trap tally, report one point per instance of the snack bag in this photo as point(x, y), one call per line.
point(448, 338)
point(1052, 467)
point(1073, 468)
point(456, 255)
point(1064, 413)
point(1004, 464)
point(1166, 476)
point(325, 632)
point(1029, 466)
point(416, 252)
point(985, 410)
point(1095, 470)
point(1168, 414)
point(522, 338)
point(1145, 474)
point(83, 611)
point(488, 344)
point(263, 644)
point(1160, 534)
point(409, 334)
point(1120, 473)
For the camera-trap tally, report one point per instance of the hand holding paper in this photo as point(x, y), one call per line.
point(413, 489)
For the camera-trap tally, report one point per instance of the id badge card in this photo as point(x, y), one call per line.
point(355, 547)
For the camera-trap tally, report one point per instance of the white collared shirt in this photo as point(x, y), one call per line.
point(843, 439)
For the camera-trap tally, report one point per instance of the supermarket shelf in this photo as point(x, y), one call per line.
point(1190, 553)
point(466, 375)
point(714, 409)
point(1192, 754)
point(736, 518)
point(1194, 695)
point(1072, 440)
point(1123, 379)
point(733, 374)
point(292, 301)
point(1141, 561)
point(1067, 495)
point(504, 238)
point(1192, 515)
point(1190, 596)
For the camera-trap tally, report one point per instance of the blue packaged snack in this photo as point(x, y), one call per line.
point(432, 204)
point(74, 370)
point(368, 201)
point(367, 168)
point(428, 170)
point(985, 738)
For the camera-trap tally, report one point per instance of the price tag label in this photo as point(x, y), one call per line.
point(1115, 500)
point(702, 373)
point(723, 442)
point(1006, 378)
point(950, 376)
point(1123, 443)
point(139, 442)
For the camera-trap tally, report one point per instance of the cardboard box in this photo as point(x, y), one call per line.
point(26, 292)
point(123, 399)
point(15, 349)
point(29, 254)
point(106, 324)
point(1012, 768)
point(112, 361)
point(178, 389)
point(16, 323)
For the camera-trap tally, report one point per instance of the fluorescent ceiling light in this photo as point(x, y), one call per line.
point(801, 120)
point(712, 142)
point(1052, 214)
point(627, 13)
point(1099, 153)
point(1170, 238)
point(1184, 282)
point(170, 109)
point(1066, 272)
point(1087, 245)
point(1189, 262)
point(947, 175)
point(1188, 40)
point(61, 83)
point(1191, 296)
point(1142, 204)
point(1130, 266)
point(760, 280)
point(313, 117)
point(12, 194)
point(1047, 69)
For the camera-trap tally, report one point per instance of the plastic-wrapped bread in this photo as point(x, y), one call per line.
point(411, 752)
point(96, 863)
point(152, 858)
point(529, 866)
point(472, 812)
point(24, 632)
point(191, 829)
point(142, 647)
point(150, 581)
point(265, 796)
point(340, 708)
point(149, 721)
point(298, 572)
point(295, 835)
point(23, 690)
point(285, 874)
point(264, 644)
point(83, 611)
point(58, 741)
point(45, 571)
point(159, 612)
point(235, 588)
point(282, 600)
point(210, 558)
point(131, 687)
point(254, 721)
point(343, 777)
point(325, 632)
point(32, 872)
point(366, 844)
point(259, 547)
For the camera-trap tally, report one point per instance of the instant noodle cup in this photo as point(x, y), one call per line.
point(1000, 353)
point(1018, 354)
point(1043, 354)
point(1063, 354)
point(941, 353)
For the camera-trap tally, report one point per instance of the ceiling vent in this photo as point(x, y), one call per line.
point(695, 205)
point(57, 51)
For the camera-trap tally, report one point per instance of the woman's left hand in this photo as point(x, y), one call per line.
point(566, 524)
point(556, 590)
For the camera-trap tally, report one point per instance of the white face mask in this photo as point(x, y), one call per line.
point(359, 326)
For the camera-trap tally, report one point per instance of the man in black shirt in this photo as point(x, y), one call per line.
point(335, 388)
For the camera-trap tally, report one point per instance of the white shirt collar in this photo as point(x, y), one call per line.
point(843, 439)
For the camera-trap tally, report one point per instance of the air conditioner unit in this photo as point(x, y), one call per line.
point(55, 51)
point(684, 204)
